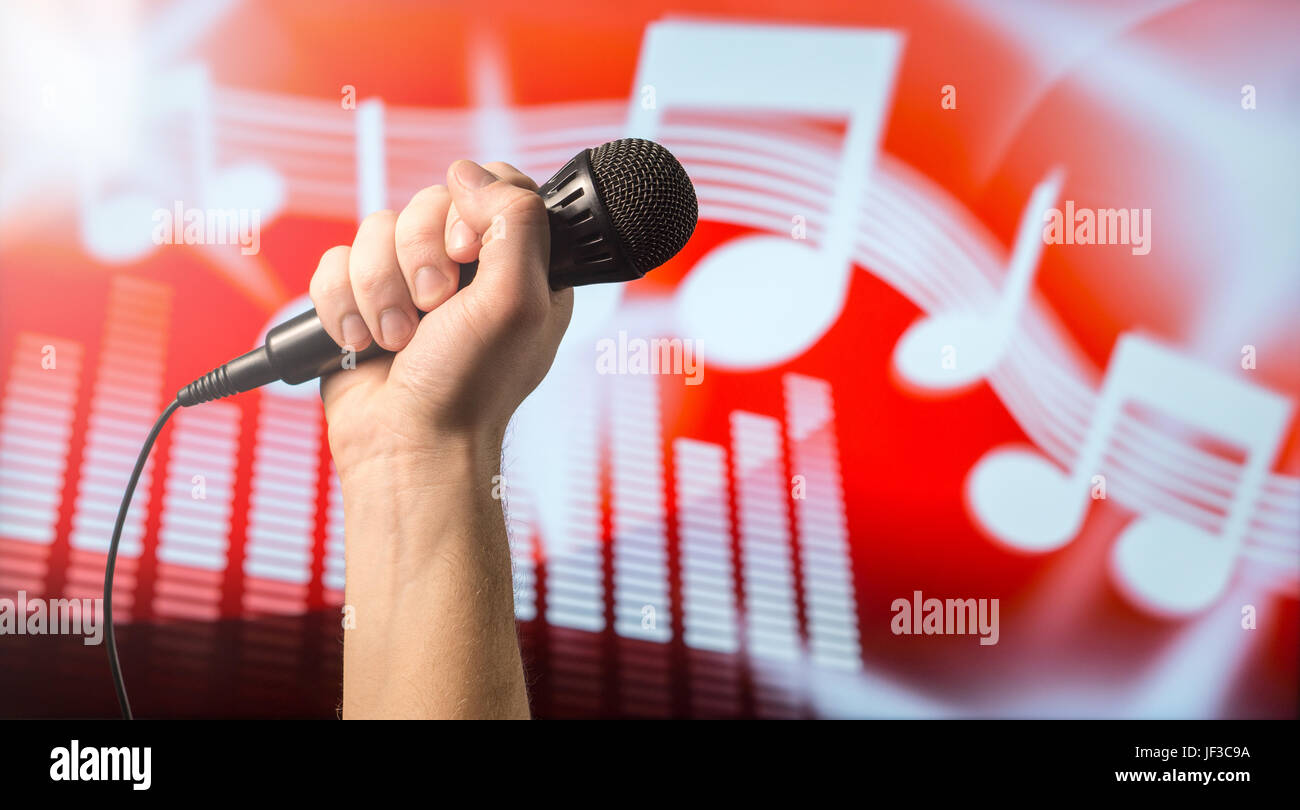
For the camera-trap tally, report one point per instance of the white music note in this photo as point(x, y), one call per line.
point(116, 227)
point(251, 184)
point(760, 300)
point(1163, 563)
point(951, 350)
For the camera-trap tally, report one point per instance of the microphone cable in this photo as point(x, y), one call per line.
point(113, 664)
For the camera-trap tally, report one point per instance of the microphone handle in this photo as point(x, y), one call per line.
point(295, 351)
point(301, 349)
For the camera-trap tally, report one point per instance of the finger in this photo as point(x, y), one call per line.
point(377, 282)
point(331, 294)
point(462, 239)
point(431, 276)
point(512, 236)
point(511, 175)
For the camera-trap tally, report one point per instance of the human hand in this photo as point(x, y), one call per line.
point(459, 373)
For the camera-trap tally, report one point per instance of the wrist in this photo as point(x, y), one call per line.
point(404, 505)
point(397, 466)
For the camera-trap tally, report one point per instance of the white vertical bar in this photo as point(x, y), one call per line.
point(830, 603)
point(123, 408)
point(372, 166)
point(282, 505)
point(704, 529)
point(195, 528)
point(641, 596)
point(771, 618)
point(194, 536)
point(575, 587)
point(709, 609)
point(493, 120)
point(772, 627)
point(35, 438)
point(35, 431)
point(125, 402)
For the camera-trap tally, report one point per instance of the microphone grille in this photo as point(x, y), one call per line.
point(649, 198)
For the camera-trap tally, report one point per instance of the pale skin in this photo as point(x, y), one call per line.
point(417, 438)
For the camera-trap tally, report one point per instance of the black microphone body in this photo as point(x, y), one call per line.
point(616, 212)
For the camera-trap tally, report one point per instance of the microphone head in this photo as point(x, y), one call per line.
point(617, 212)
point(649, 198)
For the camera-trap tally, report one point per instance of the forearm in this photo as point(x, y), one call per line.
point(429, 579)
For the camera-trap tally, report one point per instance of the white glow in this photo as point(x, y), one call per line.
point(70, 83)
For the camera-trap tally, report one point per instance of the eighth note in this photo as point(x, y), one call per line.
point(760, 300)
point(951, 350)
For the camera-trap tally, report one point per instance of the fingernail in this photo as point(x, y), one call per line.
point(428, 285)
point(462, 235)
point(354, 330)
point(395, 326)
point(472, 175)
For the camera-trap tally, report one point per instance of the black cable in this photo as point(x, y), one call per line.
point(113, 664)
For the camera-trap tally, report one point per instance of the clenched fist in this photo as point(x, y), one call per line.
point(460, 372)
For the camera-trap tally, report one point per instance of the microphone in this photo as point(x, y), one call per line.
point(616, 212)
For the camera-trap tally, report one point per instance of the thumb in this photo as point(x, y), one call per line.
point(513, 242)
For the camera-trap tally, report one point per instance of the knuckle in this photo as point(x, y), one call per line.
point(426, 195)
point(378, 221)
point(418, 237)
point(511, 174)
point(524, 207)
point(368, 280)
point(327, 279)
point(422, 220)
point(335, 253)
